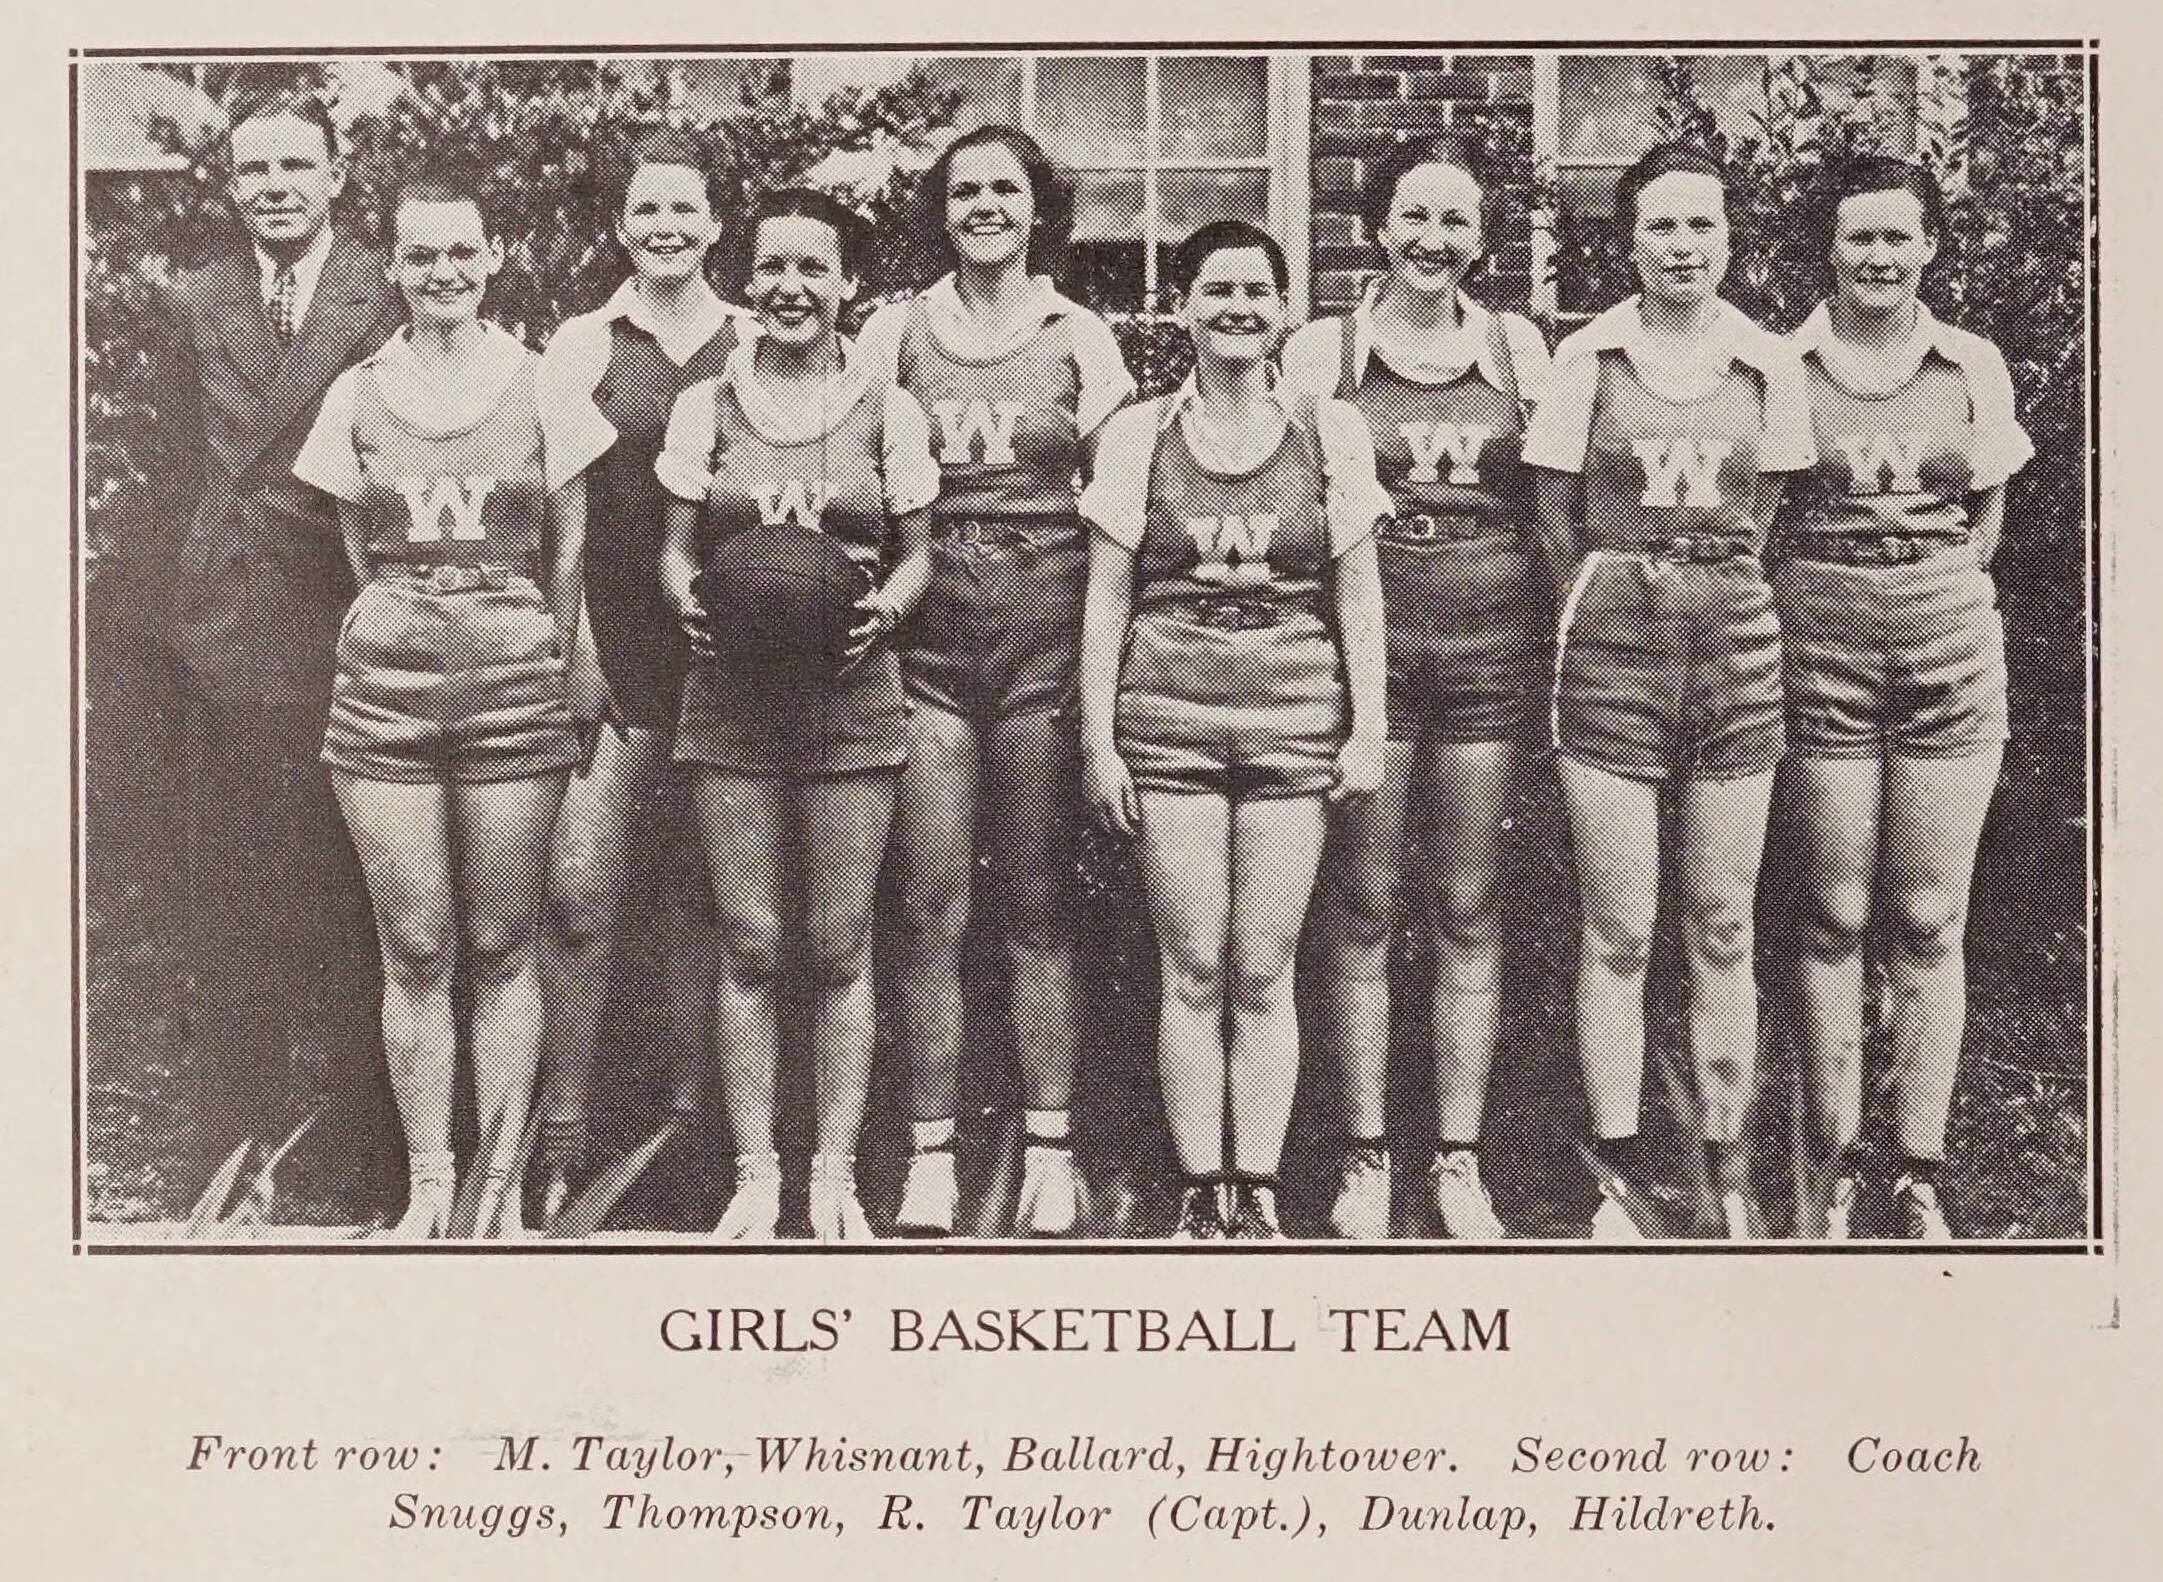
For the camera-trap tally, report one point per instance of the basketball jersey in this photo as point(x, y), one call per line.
point(1901, 463)
point(1658, 468)
point(636, 393)
point(1450, 450)
point(475, 496)
point(1262, 534)
point(1002, 430)
point(830, 483)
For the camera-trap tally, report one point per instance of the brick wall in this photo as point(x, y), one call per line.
point(1364, 104)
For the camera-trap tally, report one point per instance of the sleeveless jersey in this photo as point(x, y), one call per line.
point(636, 393)
point(1657, 468)
point(1901, 463)
point(1449, 450)
point(474, 497)
point(1263, 534)
point(1003, 431)
point(830, 483)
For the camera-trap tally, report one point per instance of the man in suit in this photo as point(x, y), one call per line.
point(251, 586)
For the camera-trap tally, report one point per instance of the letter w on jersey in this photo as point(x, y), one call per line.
point(798, 501)
point(1682, 471)
point(1232, 550)
point(966, 430)
point(430, 501)
point(1460, 442)
point(1872, 457)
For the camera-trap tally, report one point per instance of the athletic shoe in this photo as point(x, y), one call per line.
point(929, 1194)
point(754, 1213)
point(1922, 1216)
point(1840, 1210)
point(1612, 1222)
point(1201, 1212)
point(1361, 1212)
point(1053, 1195)
point(836, 1215)
point(1460, 1198)
point(1736, 1222)
point(1253, 1215)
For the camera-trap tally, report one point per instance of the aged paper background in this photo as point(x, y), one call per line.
point(111, 1365)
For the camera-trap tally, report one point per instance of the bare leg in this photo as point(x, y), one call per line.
point(1276, 849)
point(742, 821)
point(1831, 812)
point(403, 836)
point(1720, 837)
point(1185, 846)
point(1471, 786)
point(1933, 825)
point(1355, 929)
point(503, 833)
point(1034, 783)
point(936, 819)
point(1615, 831)
point(844, 828)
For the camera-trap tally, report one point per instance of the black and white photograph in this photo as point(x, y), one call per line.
point(1371, 649)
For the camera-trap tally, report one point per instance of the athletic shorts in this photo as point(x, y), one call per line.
point(1466, 639)
point(753, 722)
point(1905, 661)
point(439, 687)
point(1246, 714)
point(999, 629)
point(1667, 671)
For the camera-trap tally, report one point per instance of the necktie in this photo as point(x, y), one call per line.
point(282, 293)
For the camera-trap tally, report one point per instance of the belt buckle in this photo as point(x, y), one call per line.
point(446, 579)
point(1900, 551)
point(1227, 614)
point(1417, 529)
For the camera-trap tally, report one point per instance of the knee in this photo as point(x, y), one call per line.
point(1359, 925)
point(1619, 941)
point(418, 959)
point(1261, 979)
point(1830, 925)
point(1194, 978)
point(1718, 934)
point(837, 952)
point(1925, 926)
point(495, 957)
point(1035, 940)
point(934, 917)
point(750, 950)
point(1465, 921)
point(580, 904)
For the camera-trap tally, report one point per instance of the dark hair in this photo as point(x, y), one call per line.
point(286, 105)
point(807, 203)
point(662, 148)
point(1051, 195)
point(1868, 173)
point(1458, 152)
point(1220, 236)
point(1665, 159)
point(443, 182)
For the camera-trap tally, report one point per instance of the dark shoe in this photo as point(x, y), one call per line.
point(1253, 1215)
point(1201, 1212)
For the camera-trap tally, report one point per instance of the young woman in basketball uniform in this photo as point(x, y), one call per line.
point(794, 761)
point(1663, 445)
point(451, 735)
point(1231, 680)
point(1016, 380)
point(1444, 386)
point(1895, 669)
point(613, 375)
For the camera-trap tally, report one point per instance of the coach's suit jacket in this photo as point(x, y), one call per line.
point(258, 575)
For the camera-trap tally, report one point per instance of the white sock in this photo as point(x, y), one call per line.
point(1046, 1125)
point(925, 1136)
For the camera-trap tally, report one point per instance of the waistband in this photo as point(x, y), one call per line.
point(1234, 613)
point(1452, 528)
point(1690, 549)
point(1893, 549)
point(451, 579)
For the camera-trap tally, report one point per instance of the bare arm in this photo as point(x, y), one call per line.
point(1107, 610)
point(1558, 509)
point(1986, 522)
point(889, 604)
point(353, 528)
point(1358, 582)
point(679, 567)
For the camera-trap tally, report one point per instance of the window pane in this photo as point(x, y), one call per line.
point(1213, 106)
point(1090, 108)
point(1190, 199)
point(1610, 104)
point(1106, 275)
point(1107, 207)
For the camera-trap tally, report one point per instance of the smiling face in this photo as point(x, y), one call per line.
point(1432, 235)
point(1679, 239)
point(442, 259)
point(990, 205)
point(1234, 312)
point(668, 224)
point(797, 282)
point(1880, 249)
point(283, 181)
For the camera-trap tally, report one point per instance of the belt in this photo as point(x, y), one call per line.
point(1894, 549)
point(1697, 549)
point(1235, 614)
point(1419, 529)
point(974, 533)
point(452, 579)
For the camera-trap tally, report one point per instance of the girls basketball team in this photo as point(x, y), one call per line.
point(1290, 631)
